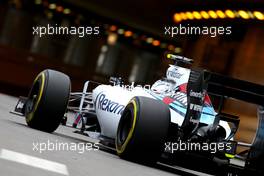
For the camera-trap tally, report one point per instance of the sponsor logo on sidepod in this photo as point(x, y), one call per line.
point(108, 105)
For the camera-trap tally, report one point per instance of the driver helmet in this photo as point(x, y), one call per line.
point(164, 86)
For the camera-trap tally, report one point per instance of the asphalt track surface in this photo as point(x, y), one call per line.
point(20, 154)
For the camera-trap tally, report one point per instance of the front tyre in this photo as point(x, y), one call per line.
point(47, 100)
point(142, 129)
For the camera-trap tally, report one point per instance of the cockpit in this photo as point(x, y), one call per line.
point(175, 76)
point(164, 86)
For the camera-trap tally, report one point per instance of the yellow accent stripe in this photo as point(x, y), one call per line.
point(123, 147)
point(229, 155)
point(31, 114)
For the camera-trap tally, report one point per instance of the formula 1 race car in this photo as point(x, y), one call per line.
point(150, 124)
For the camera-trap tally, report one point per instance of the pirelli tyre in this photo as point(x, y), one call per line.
point(47, 100)
point(142, 129)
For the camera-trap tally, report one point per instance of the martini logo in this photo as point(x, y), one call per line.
point(180, 97)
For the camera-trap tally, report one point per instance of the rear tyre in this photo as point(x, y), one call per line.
point(47, 100)
point(143, 129)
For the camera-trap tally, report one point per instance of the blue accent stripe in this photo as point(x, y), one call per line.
point(207, 115)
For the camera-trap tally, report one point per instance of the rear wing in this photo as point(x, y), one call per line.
point(201, 81)
point(234, 88)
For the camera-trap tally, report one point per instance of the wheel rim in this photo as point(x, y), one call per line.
point(125, 126)
point(34, 97)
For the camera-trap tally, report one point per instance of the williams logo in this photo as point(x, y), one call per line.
point(174, 73)
point(109, 105)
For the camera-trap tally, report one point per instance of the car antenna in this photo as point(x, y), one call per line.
point(178, 58)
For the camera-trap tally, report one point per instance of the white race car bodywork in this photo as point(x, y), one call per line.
point(110, 101)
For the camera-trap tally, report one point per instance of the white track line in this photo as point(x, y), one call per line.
point(185, 170)
point(33, 161)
